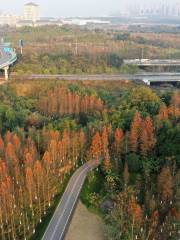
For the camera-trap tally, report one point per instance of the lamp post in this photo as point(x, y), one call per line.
point(21, 45)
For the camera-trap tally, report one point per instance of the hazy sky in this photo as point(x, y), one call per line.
point(63, 8)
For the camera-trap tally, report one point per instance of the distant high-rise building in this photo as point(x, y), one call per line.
point(31, 12)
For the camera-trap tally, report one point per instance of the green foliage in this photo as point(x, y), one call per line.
point(122, 36)
point(168, 143)
point(64, 123)
point(134, 162)
point(114, 60)
point(64, 63)
point(93, 184)
point(144, 100)
point(127, 69)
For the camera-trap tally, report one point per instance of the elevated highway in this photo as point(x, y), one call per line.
point(146, 77)
point(7, 58)
point(152, 62)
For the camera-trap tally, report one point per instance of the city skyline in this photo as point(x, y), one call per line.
point(80, 7)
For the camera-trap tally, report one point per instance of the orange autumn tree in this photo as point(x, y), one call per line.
point(82, 142)
point(105, 148)
point(147, 137)
point(107, 161)
point(29, 184)
point(163, 113)
point(61, 101)
point(118, 140)
point(1, 146)
point(47, 162)
point(135, 132)
point(135, 212)
point(165, 184)
point(39, 187)
point(118, 146)
point(128, 215)
point(174, 108)
point(96, 147)
point(105, 140)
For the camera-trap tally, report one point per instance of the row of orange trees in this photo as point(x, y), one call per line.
point(29, 180)
point(62, 101)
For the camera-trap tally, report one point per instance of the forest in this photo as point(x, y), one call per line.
point(49, 128)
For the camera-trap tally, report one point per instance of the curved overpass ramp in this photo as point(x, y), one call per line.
point(7, 57)
point(60, 221)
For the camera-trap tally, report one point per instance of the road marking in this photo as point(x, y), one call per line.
point(74, 186)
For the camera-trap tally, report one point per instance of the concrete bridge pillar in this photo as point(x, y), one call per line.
point(6, 73)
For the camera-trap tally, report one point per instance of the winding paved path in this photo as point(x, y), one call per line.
point(60, 221)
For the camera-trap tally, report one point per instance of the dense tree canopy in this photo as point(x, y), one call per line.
point(49, 128)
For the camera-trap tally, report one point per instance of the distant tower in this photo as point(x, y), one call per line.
point(31, 12)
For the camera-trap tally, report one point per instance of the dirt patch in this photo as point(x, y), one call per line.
point(85, 225)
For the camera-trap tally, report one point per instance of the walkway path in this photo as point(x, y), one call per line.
point(60, 221)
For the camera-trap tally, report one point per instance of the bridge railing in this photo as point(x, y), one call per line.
point(155, 62)
point(9, 61)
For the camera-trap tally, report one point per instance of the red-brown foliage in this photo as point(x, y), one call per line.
point(135, 132)
point(61, 101)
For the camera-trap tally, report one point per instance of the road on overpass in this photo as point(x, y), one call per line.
point(60, 221)
point(145, 77)
point(152, 62)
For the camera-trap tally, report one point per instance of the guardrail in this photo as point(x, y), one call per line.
point(152, 62)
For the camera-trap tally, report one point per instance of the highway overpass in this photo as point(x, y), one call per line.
point(152, 62)
point(7, 58)
point(146, 77)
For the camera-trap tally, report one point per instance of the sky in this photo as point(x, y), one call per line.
point(66, 8)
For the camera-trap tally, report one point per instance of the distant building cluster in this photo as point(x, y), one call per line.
point(162, 9)
point(31, 17)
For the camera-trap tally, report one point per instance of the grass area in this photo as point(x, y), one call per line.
point(93, 184)
point(95, 211)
